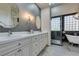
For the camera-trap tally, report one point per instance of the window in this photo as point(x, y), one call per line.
point(55, 24)
point(71, 24)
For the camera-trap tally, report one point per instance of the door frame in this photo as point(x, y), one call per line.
point(58, 31)
point(62, 22)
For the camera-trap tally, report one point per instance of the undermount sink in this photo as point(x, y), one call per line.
point(3, 34)
point(16, 34)
point(9, 35)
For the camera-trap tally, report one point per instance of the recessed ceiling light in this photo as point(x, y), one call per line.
point(49, 4)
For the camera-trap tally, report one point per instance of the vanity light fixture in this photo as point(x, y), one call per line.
point(29, 18)
point(52, 4)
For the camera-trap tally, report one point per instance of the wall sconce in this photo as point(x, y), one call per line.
point(27, 17)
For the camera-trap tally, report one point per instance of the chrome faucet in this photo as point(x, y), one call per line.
point(9, 32)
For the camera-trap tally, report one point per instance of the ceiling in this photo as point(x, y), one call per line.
point(45, 5)
point(56, 4)
point(33, 8)
point(29, 7)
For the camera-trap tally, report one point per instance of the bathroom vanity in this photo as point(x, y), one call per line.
point(20, 43)
point(23, 44)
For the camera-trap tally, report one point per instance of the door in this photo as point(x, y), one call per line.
point(56, 30)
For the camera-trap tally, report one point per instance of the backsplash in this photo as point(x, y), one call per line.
point(22, 26)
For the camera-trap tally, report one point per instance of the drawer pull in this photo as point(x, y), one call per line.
point(19, 50)
point(35, 38)
point(35, 52)
point(19, 43)
point(35, 44)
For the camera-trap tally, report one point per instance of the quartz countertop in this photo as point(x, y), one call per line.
point(5, 38)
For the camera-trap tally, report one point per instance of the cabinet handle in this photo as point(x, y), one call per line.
point(35, 38)
point(35, 52)
point(35, 44)
point(19, 43)
point(19, 50)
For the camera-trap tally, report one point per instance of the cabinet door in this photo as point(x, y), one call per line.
point(34, 49)
point(37, 44)
point(7, 47)
point(43, 40)
point(13, 53)
point(25, 51)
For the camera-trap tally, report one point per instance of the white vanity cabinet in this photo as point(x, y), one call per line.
point(27, 46)
point(38, 43)
point(7, 47)
point(35, 46)
point(22, 51)
point(17, 52)
point(15, 48)
point(9, 15)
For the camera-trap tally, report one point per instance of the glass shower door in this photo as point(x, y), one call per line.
point(56, 32)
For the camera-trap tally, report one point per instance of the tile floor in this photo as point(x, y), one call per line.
point(55, 50)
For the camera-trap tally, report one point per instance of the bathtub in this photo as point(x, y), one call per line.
point(73, 39)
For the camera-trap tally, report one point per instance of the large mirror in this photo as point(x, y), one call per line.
point(20, 17)
point(9, 15)
point(33, 10)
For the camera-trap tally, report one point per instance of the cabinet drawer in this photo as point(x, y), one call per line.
point(10, 46)
point(5, 48)
point(35, 53)
point(45, 35)
point(42, 45)
point(12, 53)
point(16, 52)
point(22, 51)
point(35, 38)
point(35, 47)
point(25, 50)
point(24, 41)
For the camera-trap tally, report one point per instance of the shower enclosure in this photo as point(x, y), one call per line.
point(56, 30)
